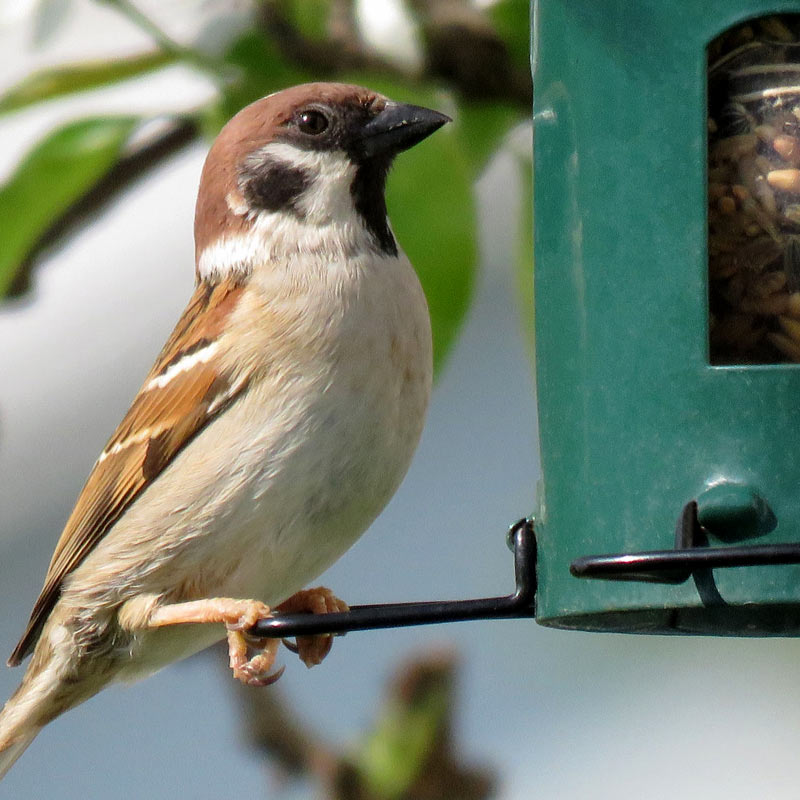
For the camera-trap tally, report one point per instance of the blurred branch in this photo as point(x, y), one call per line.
point(341, 52)
point(462, 49)
point(129, 169)
point(408, 754)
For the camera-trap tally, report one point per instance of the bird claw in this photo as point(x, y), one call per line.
point(291, 646)
point(252, 670)
point(257, 677)
point(312, 649)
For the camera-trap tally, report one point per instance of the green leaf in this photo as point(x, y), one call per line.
point(481, 128)
point(50, 83)
point(54, 174)
point(394, 755)
point(431, 206)
point(309, 17)
point(511, 20)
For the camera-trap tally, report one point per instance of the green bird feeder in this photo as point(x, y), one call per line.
point(667, 284)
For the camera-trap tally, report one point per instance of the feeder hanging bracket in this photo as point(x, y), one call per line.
point(520, 604)
point(689, 555)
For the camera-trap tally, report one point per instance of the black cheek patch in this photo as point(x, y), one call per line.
point(368, 198)
point(272, 185)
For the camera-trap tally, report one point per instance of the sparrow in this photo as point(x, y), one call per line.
point(278, 420)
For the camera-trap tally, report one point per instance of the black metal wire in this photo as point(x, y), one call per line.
point(654, 565)
point(394, 615)
point(676, 566)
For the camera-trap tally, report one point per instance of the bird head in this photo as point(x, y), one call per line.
point(303, 170)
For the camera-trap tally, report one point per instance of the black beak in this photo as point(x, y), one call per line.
point(397, 127)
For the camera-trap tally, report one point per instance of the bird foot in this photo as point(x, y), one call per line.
point(252, 670)
point(312, 649)
point(238, 616)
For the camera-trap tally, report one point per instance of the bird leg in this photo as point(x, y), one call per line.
point(238, 616)
point(312, 649)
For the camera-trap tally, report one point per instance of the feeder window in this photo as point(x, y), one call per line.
point(754, 192)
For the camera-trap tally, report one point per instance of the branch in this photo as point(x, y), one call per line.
point(325, 57)
point(462, 49)
point(419, 701)
point(127, 171)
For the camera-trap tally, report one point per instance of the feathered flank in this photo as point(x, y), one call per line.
point(174, 403)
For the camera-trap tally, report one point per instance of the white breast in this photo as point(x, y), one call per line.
point(336, 428)
point(277, 487)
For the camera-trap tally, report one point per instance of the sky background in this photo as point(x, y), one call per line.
point(557, 714)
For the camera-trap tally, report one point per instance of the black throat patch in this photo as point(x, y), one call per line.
point(368, 189)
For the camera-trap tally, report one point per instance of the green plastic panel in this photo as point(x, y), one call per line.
point(634, 422)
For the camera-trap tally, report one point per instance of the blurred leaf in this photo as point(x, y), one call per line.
point(395, 754)
point(431, 206)
point(79, 77)
point(430, 201)
point(263, 70)
point(309, 17)
point(524, 256)
point(511, 19)
point(481, 128)
point(53, 175)
point(49, 16)
point(436, 223)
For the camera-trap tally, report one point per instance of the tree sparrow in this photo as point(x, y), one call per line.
point(277, 422)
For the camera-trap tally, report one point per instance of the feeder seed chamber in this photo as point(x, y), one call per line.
point(667, 246)
point(667, 289)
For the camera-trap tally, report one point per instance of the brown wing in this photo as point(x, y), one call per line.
point(183, 392)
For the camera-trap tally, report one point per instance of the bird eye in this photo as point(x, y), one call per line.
point(313, 122)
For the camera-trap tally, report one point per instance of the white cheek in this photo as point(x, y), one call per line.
point(328, 227)
point(328, 199)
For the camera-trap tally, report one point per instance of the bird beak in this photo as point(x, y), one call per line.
point(397, 127)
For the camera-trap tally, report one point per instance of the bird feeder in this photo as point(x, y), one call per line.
point(667, 248)
point(667, 287)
